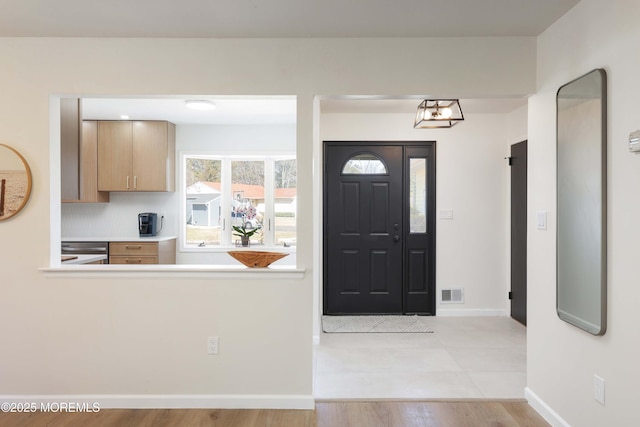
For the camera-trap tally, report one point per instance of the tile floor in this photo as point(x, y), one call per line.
point(481, 357)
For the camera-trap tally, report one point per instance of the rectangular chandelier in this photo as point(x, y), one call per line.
point(438, 113)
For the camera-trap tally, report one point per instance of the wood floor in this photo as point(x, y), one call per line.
point(327, 414)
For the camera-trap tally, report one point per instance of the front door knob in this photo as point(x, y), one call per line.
point(396, 238)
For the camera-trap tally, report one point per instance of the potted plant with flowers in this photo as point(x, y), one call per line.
point(244, 233)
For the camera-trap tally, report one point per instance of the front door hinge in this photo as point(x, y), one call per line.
point(510, 160)
point(510, 295)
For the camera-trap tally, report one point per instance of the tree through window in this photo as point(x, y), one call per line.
point(257, 194)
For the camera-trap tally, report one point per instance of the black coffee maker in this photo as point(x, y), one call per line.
point(148, 224)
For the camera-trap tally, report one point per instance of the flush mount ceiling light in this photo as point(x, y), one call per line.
point(200, 104)
point(438, 113)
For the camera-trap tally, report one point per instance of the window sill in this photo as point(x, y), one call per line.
point(182, 271)
point(224, 249)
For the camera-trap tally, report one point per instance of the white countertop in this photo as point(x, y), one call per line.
point(84, 259)
point(116, 239)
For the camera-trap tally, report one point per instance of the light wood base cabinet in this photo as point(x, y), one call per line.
point(162, 252)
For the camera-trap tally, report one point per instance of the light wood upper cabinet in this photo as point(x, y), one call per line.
point(114, 156)
point(89, 164)
point(79, 156)
point(153, 156)
point(136, 156)
point(70, 149)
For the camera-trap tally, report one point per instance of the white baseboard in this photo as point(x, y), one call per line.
point(544, 410)
point(472, 312)
point(172, 401)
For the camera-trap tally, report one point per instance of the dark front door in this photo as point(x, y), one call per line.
point(379, 228)
point(518, 292)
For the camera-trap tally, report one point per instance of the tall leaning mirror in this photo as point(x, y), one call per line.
point(15, 182)
point(582, 202)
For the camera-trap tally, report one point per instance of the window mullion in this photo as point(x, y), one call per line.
point(225, 187)
point(268, 223)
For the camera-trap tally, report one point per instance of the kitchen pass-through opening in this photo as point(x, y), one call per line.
point(165, 175)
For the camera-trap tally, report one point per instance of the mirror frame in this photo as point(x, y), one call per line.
point(27, 194)
point(581, 202)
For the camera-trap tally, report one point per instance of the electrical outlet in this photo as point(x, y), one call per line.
point(213, 345)
point(598, 389)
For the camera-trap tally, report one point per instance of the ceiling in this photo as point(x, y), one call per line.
point(266, 110)
point(276, 18)
point(279, 18)
point(240, 110)
point(410, 105)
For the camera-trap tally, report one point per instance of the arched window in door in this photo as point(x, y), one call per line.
point(364, 164)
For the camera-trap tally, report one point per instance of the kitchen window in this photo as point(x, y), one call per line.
point(257, 193)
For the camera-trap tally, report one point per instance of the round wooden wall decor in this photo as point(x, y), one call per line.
point(15, 182)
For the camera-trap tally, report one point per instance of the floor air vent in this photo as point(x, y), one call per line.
point(452, 296)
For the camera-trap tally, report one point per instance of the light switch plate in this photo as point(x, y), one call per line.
point(598, 389)
point(446, 214)
point(541, 220)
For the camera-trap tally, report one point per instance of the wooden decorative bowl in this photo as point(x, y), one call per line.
point(259, 259)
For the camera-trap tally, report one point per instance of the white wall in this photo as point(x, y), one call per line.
point(471, 180)
point(119, 217)
point(517, 125)
point(243, 139)
point(561, 358)
point(144, 334)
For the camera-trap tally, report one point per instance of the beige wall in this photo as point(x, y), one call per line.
point(561, 358)
point(146, 335)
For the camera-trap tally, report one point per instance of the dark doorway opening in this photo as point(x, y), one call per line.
point(518, 294)
point(379, 227)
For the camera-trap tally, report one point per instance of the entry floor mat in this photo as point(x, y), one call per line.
point(376, 324)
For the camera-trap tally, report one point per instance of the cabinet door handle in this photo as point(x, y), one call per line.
point(135, 261)
point(127, 182)
point(135, 182)
point(133, 247)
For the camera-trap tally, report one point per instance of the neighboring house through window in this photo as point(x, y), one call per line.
point(254, 192)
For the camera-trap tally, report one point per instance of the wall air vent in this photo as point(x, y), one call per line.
point(452, 296)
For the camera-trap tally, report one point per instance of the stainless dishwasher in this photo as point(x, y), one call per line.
point(86, 248)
